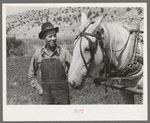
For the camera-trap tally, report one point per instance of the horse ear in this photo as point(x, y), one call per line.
point(97, 23)
point(83, 21)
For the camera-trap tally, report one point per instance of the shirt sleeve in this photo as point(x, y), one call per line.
point(32, 71)
point(68, 59)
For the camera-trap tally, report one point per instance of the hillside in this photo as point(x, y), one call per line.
point(27, 25)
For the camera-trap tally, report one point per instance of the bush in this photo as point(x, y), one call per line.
point(96, 15)
point(139, 10)
point(89, 14)
point(128, 9)
point(59, 19)
point(102, 10)
point(14, 46)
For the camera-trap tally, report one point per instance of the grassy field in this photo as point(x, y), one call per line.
point(20, 92)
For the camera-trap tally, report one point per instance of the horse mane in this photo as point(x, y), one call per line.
point(113, 31)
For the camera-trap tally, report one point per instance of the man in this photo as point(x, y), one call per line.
point(53, 62)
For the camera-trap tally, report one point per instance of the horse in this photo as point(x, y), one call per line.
point(105, 49)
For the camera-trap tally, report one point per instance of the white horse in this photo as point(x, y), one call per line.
point(104, 45)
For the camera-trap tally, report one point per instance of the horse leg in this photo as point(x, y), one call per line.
point(128, 97)
point(140, 86)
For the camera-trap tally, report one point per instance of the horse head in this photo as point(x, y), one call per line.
point(86, 53)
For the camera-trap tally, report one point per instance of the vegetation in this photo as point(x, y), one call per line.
point(27, 47)
point(65, 17)
point(20, 92)
point(14, 47)
point(22, 29)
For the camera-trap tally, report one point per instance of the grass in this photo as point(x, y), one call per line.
point(20, 92)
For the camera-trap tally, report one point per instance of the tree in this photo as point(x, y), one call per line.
point(97, 14)
point(79, 15)
point(47, 18)
point(139, 10)
point(128, 9)
point(102, 10)
point(41, 18)
point(54, 19)
point(89, 14)
point(39, 13)
point(59, 19)
point(64, 19)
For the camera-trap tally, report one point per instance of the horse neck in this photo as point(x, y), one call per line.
point(115, 38)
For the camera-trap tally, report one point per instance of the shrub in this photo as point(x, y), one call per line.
point(14, 46)
point(59, 19)
point(89, 14)
point(54, 20)
point(79, 15)
point(139, 10)
point(96, 15)
point(128, 9)
point(102, 10)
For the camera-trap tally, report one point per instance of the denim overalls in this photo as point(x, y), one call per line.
point(55, 86)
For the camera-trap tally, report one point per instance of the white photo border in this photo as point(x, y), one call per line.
point(66, 113)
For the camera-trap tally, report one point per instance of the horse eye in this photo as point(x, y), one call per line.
point(87, 49)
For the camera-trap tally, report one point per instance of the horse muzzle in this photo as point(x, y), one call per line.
point(75, 86)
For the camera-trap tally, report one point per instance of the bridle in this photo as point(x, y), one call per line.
point(92, 45)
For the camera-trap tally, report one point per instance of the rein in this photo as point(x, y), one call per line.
point(91, 45)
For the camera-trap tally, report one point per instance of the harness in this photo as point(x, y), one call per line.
point(100, 41)
point(92, 47)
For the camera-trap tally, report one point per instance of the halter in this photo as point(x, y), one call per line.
point(92, 46)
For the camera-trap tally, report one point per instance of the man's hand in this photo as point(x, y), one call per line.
point(37, 87)
point(40, 92)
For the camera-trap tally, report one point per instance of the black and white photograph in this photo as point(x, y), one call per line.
point(74, 61)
